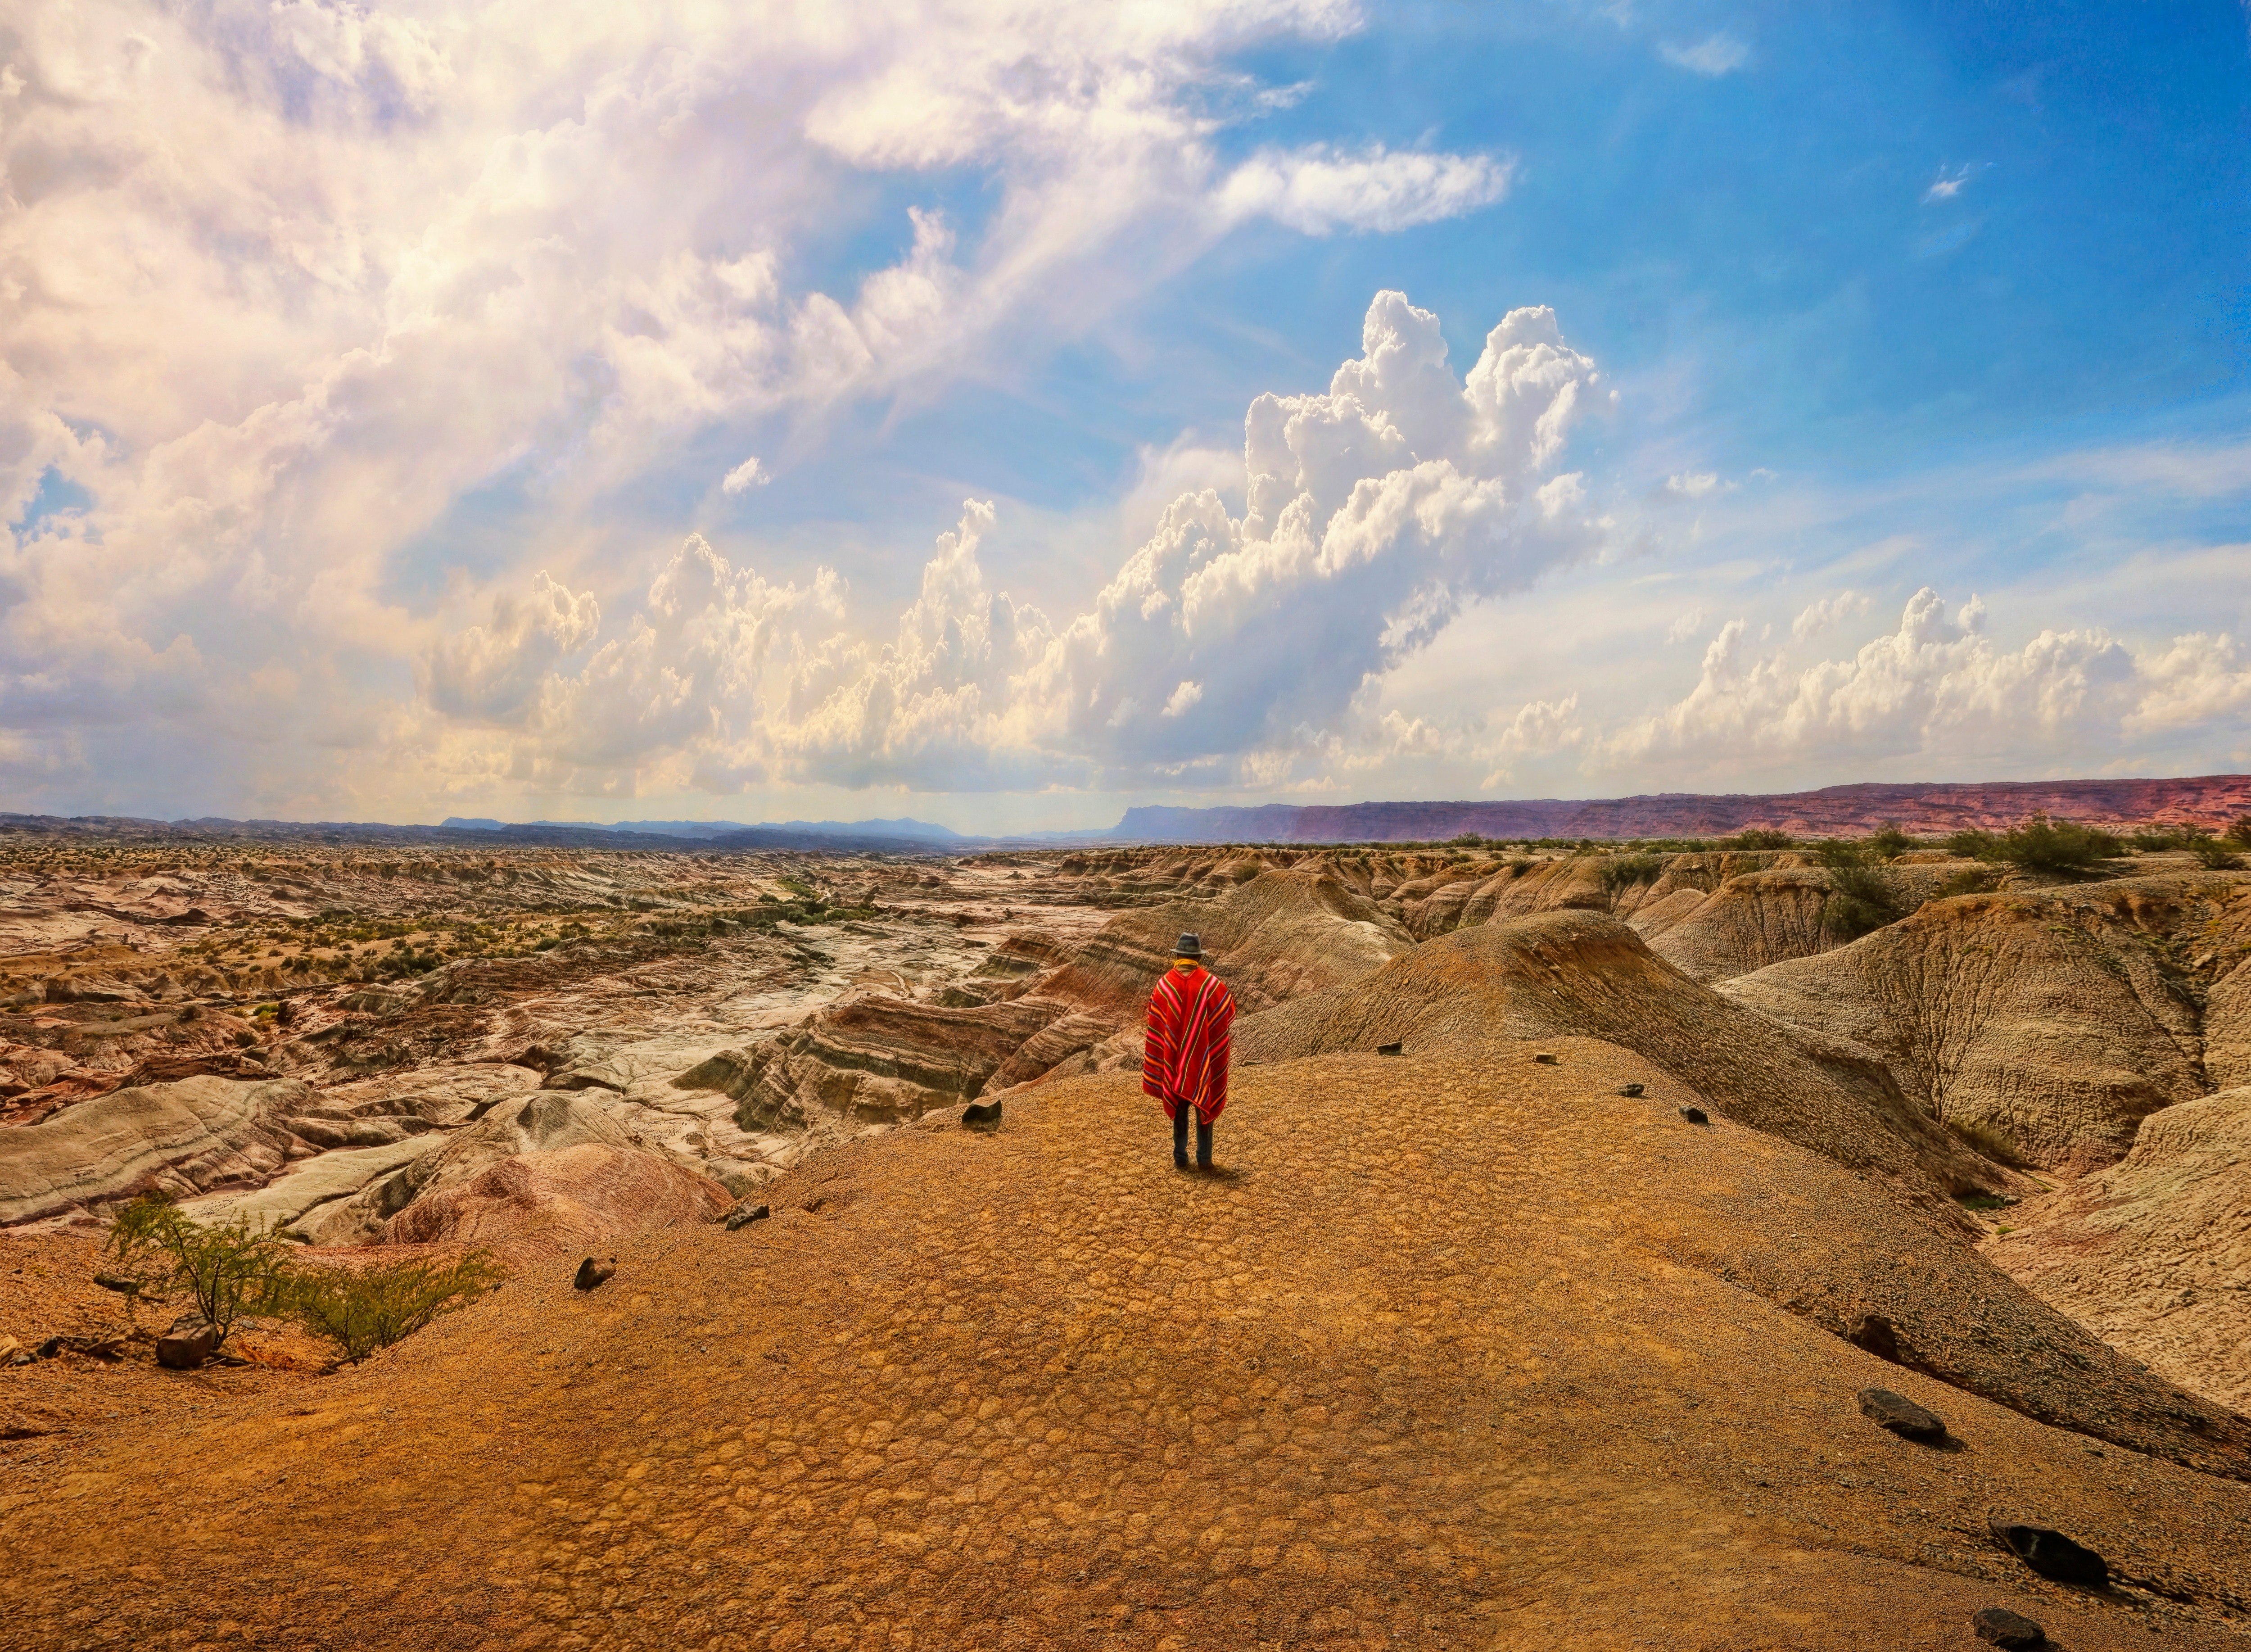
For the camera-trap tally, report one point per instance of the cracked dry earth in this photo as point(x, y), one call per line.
point(1433, 1365)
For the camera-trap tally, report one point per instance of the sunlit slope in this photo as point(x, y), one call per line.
point(1451, 1360)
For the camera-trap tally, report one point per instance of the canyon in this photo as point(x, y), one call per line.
point(1566, 1199)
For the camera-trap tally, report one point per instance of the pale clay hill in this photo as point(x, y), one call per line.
point(1472, 1346)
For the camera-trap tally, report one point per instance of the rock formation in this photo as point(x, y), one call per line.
point(2154, 1253)
point(1574, 974)
point(2043, 1025)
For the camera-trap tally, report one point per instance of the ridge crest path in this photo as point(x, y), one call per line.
point(1434, 1366)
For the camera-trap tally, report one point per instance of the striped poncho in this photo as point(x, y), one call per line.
point(1184, 1051)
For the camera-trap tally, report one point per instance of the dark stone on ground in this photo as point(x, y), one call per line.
point(187, 1345)
point(981, 1116)
point(592, 1272)
point(1630, 1089)
point(2007, 1630)
point(1391, 1049)
point(743, 1215)
point(1695, 1115)
point(1900, 1414)
point(2053, 1555)
point(1546, 1058)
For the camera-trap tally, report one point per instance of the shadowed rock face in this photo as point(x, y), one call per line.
point(2047, 1023)
point(1576, 974)
point(2154, 1253)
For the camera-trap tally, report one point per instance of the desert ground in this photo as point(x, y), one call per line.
point(1570, 1196)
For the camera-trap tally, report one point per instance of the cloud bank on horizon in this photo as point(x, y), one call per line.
point(378, 386)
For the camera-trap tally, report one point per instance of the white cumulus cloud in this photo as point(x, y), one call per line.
point(744, 476)
point(1827, 614)
point(1374, 511)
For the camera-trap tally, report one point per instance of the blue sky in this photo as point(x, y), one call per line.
point(377, 462)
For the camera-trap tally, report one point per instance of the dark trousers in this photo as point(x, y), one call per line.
point(1182, 1113)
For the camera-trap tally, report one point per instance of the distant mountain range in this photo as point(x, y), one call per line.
point(2213, 801)
point(914, 831)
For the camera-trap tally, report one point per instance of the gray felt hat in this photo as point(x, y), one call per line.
point(1188, 947)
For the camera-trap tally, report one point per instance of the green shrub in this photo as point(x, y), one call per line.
point(1861, 896)
point(1760, 837)
point(2213, 852)
point(1620, 872)
point(362, 1309)
point(1970, 880)
point(2040, 844)
point(2240, 831)
point(1888, 840)
point(229, 1269)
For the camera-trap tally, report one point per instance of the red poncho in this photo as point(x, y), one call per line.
point(1184, 1051)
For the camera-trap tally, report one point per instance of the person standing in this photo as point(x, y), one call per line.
point(1185, 1048)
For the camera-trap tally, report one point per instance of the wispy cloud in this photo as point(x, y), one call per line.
point(1718, 54)
point(744, 476)
point(1949, 183)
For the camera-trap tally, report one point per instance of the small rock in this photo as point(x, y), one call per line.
point(1630, 1089)
point(743, 1215)
point(2007, 1630)
point(592, 1272)
point(981, 1116)
point(1875, 1334)
point(1391, 1049)
point(49, 1349)
point(111, 1282)
point(1900, 1414)
point(1695, 1115)
point(187, 1345)
point(2053, 1555)
point(1546, 1057)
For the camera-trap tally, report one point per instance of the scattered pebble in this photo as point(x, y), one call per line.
point(187, 1344)
point(592, 1272)
point(1391, 1049)
point(1629, 1089)
point(1695, 1115)
point(1546, 1057)
point(2053, 1555)
point(743, 1215)
point(2010, 1631)
point(1900, 1414)
point(981, 1116)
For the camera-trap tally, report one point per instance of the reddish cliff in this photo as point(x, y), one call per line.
point(2211, 799)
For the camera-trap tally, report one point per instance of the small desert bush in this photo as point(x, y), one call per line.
point(1970, 880)
point(1622, 872)
point(229, 1269)
point(2240, 831)
point(2040, 844)
point(1861, 896)
point(1759, 837)
point(1888, 840)
point(362, 1309)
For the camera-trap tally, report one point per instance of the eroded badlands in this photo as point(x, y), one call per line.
point(1482, 1342)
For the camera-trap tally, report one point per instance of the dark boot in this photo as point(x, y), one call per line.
point(1203, 1144)
point(1180, 1135)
